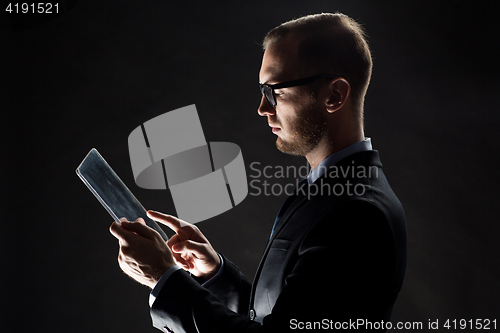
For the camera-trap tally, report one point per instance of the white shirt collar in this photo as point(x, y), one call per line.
point(334, 158)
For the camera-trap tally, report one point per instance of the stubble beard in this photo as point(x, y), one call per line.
point(309, 128)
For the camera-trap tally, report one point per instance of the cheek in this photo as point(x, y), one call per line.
point(288, 123)
point(287, 115)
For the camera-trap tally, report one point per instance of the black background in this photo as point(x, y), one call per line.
point(89, 77)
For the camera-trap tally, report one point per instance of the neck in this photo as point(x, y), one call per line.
point(331, 144)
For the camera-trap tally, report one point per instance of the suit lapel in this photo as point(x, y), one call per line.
point(288, 202)
point(298, 202)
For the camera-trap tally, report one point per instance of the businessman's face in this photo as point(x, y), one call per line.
point(296, 119)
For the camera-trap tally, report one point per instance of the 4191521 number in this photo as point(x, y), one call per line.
point(32, 8)
point(471, 324)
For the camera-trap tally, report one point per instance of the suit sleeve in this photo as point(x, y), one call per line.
point(183, 305)
point(232, 288)
point(342, 270)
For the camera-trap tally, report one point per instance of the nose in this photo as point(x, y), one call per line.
point(265, 109)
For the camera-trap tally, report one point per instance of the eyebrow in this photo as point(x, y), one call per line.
point(271, 71)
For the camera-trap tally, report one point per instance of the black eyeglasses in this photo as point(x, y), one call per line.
point(268, 89)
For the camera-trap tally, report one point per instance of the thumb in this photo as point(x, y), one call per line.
point(198, 249)
point(117, 231)
point(139, 227)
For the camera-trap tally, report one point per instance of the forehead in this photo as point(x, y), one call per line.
point(279, 62)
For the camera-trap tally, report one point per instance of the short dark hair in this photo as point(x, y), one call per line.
point(330, 44)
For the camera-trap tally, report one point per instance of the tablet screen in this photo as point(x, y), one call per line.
point(111, 192)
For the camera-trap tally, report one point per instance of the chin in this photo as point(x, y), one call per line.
point(291, 148)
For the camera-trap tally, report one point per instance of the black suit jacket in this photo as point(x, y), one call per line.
point(337, 256)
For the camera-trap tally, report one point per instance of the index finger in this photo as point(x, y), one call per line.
point(170, 221)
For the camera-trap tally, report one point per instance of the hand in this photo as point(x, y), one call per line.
point(143, 255)
point(191, 249)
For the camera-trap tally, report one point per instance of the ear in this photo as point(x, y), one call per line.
point(339, 90)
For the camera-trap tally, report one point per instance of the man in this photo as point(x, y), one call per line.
point(337, 253)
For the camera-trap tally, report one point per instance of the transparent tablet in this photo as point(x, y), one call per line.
point(111, 192)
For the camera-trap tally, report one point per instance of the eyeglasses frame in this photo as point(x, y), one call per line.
point(289, 84)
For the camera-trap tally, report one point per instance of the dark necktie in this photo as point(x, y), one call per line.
point(287, 204)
